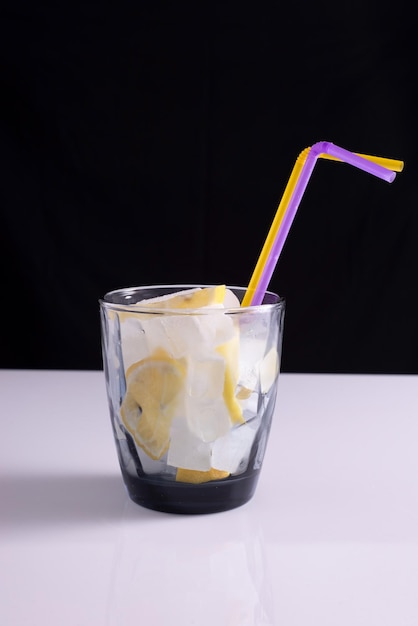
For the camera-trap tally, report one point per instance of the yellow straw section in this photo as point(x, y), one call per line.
point(391, 164)
point(278, 218)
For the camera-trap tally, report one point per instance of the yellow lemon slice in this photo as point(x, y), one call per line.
point(229, 351)
point(269, 368)
point(154, 387)
point(195, 298)
point(197, 477)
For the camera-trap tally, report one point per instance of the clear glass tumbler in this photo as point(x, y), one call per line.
point(191, 379)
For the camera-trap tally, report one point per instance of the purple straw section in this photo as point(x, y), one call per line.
point(322, 147)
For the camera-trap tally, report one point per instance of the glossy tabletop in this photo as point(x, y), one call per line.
point(329, 539)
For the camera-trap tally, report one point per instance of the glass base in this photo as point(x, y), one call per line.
point(175, 497)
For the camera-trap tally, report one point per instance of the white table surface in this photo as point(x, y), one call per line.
point(330, 537)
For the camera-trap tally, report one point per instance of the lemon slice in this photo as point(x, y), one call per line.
point(196, 476)
point(154, 387)
point(268, 370)
point(229, 351)
point(195, 298)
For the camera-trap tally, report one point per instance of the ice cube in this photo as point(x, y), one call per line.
point(207, 414)
point(251, 354)
point(259, 363)
point(230, 300)
point(249, 404)
point(186, 450)
point(208, 419)
point(231, 452)
point(179, 335)
point(225, 328)
point(206, 377)
point(183, 335)
point(133, 340)
point(149, 465)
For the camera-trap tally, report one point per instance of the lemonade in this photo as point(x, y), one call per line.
point(192, 380)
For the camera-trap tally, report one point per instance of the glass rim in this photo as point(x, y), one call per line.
point(137, 308)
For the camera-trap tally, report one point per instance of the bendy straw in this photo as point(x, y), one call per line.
point(286, 211)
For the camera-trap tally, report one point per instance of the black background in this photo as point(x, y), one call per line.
point(150, 142)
